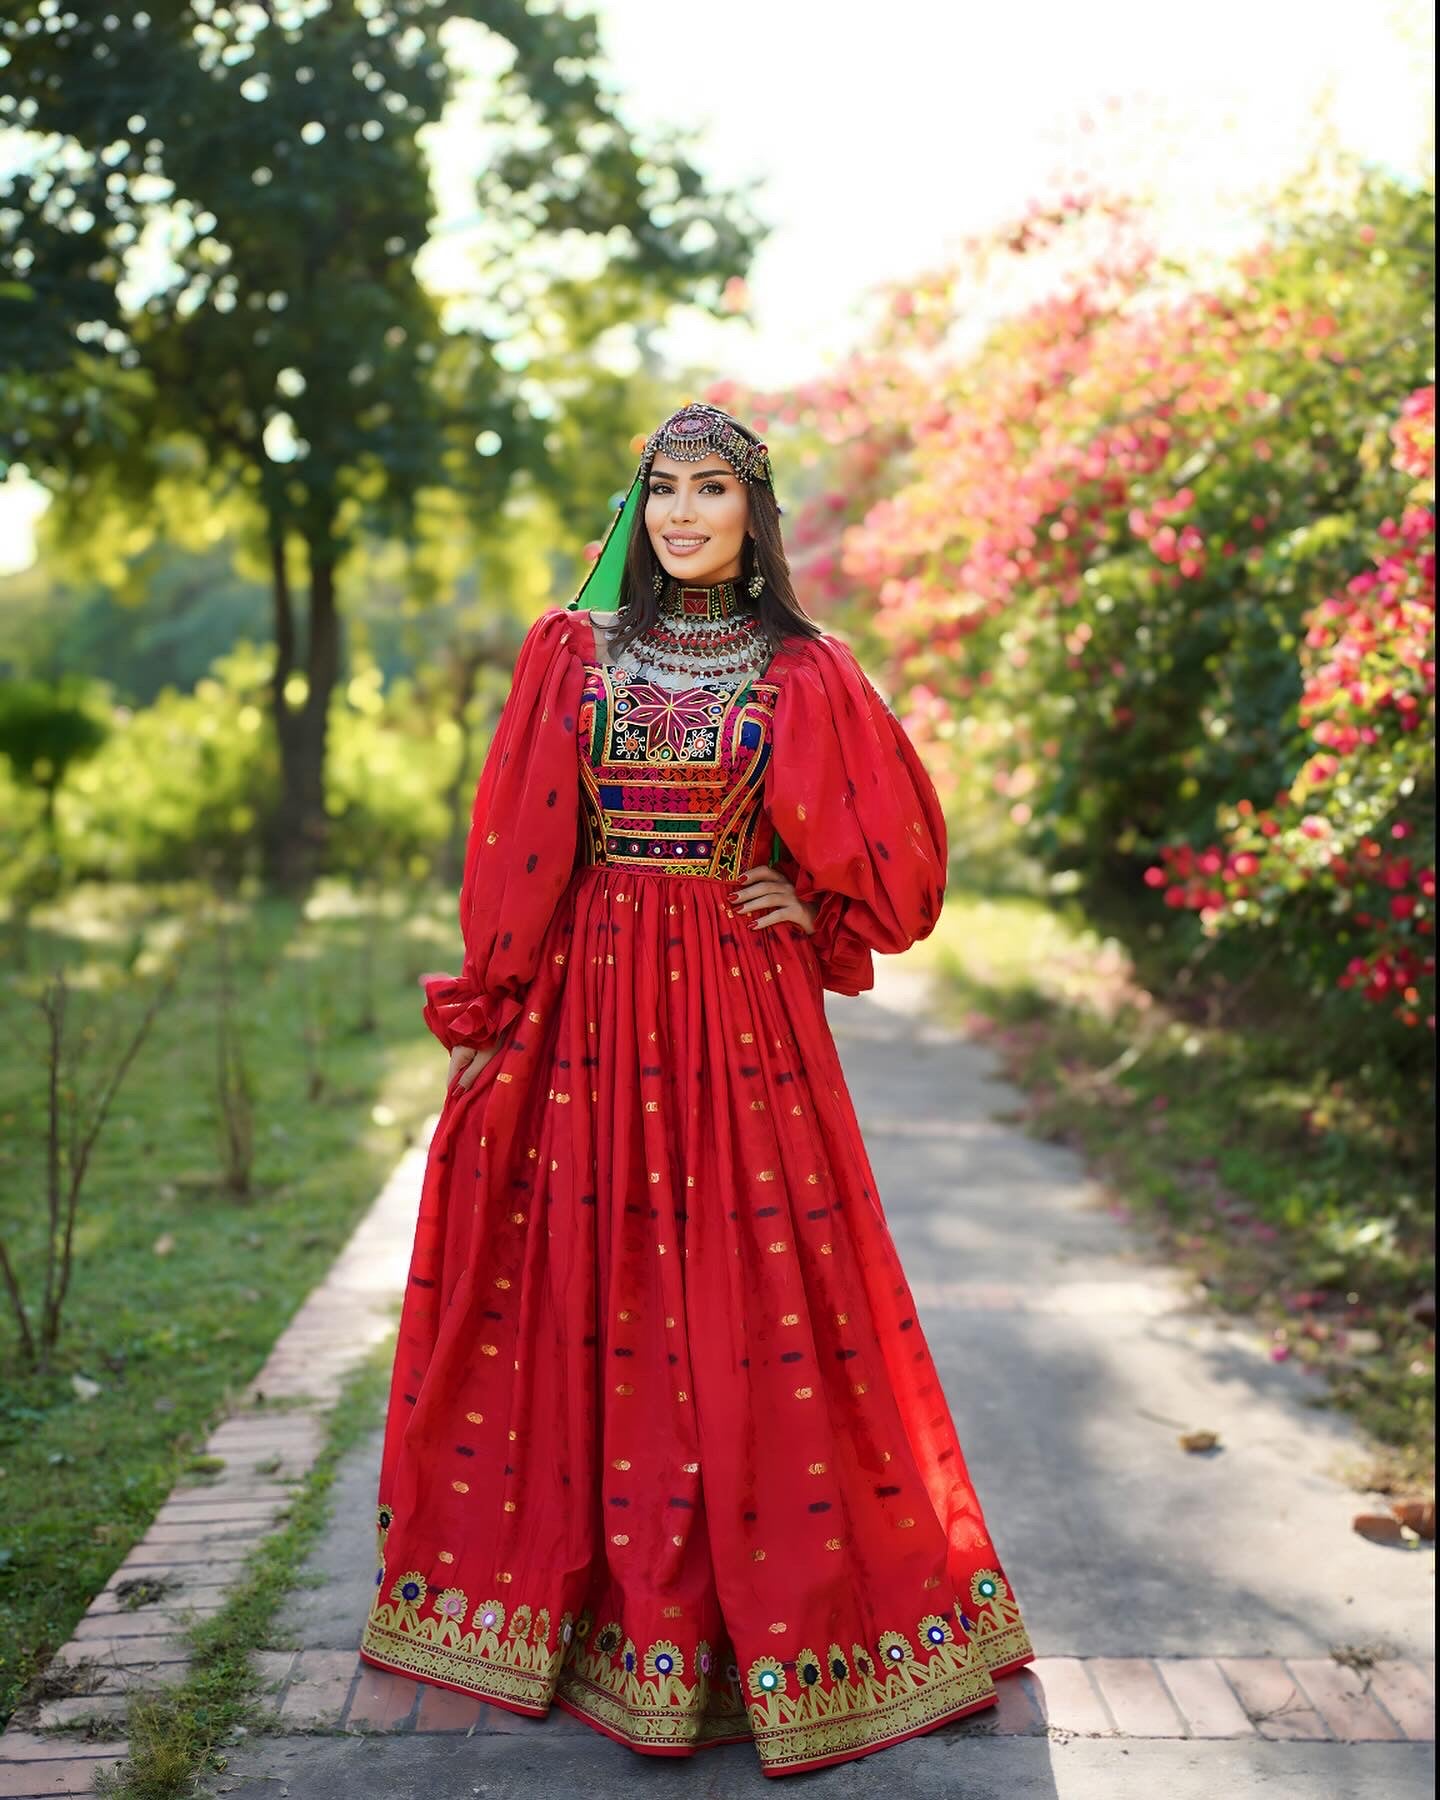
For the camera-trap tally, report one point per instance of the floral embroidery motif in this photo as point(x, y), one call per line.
point(673, 719)
point(797, 1711)
point(451, 1604)
point(409, 1590)
point(896, 1649)
point(766, 1676)
point(664, 1659)
point(987, 1585)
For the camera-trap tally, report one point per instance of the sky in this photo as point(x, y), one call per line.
point(882, 133)
point(885, 131)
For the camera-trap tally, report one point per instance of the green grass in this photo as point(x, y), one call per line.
point(179, 1733)
point(180, 1289)
point(1289, 1171)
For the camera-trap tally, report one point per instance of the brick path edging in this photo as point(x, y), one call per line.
point(1312, 1698)
point(131, 1638)
point(1201, 1697)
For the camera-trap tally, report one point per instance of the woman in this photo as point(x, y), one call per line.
point(665, 1445)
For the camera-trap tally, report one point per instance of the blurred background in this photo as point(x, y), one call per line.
point(1095, 349)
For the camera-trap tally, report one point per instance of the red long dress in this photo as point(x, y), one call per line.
point(666, 1446)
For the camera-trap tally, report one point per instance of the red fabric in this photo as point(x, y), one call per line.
point(857, 811)
point(666, 1443)
point(528, 785)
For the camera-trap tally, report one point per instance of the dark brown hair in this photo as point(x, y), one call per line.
point(778, 611)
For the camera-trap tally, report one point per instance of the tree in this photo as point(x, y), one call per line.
point(208, 274)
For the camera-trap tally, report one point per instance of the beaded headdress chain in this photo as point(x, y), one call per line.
point(691, 434)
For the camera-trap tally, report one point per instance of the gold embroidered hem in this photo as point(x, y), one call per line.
point(816, 1726)
point(800, 1713)
point(479, 1662)
point(680, 1717)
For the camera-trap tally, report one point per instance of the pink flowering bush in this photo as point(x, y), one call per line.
point(1150, 552)
point(1343, 861)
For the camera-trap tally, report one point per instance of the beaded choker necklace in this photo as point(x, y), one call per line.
point(683, 600)
point(703, 633)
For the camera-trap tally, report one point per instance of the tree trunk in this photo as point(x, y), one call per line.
point(296, 832)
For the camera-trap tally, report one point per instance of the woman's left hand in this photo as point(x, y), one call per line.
point(766, 898)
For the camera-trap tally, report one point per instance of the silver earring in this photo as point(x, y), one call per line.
point(755, 585)
point(657, 581)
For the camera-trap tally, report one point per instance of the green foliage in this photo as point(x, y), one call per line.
point(23, 837)
point(289, 338)
point(179, 786)
point(390, 764)
point(285, 357)
point(180, 1289)
point(140, 623)
point(45, 729)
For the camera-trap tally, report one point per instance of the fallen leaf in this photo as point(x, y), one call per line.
point(163, 1245)
point(1198, 1440)
point(1378, 1528)
point(1417, 1516)
point(84, 1388)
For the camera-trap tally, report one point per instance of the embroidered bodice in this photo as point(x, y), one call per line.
point(673, 760)
point(673, 778)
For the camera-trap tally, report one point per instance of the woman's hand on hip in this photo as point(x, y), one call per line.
point(467, 1062)
point(766, 897)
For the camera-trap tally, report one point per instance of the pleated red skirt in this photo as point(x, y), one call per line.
point(666, 1446)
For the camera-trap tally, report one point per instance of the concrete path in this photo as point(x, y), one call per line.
point(1185, 1608)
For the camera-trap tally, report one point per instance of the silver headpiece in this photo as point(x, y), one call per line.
point(698, 431)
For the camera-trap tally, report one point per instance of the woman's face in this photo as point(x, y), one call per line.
point(697, 515)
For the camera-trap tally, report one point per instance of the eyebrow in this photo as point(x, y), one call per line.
point(699, 474)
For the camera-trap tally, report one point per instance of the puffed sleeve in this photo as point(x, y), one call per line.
point(522, 844)
point(860, 820)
